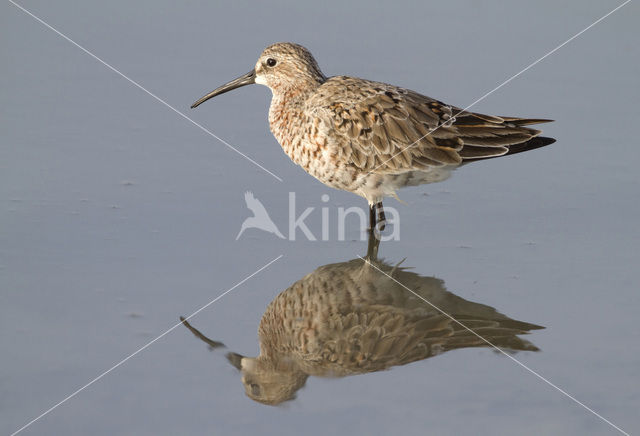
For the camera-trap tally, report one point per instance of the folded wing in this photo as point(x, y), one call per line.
point(388, 129)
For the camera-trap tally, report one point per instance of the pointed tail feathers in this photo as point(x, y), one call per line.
point(531, 144)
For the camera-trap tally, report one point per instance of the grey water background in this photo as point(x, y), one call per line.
point(117, 216)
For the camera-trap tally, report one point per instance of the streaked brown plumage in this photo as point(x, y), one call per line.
point(348, 318)
point(373, 138)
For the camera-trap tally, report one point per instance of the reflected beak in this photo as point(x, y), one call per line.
point(246, 79)
point(235, 359)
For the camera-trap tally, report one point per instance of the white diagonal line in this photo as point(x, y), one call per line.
point(77, 391)
point(144, 89)
point(503, 83)
point(500, 350)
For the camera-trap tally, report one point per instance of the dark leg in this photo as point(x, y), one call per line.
point(372, 217)
point(382, 221)
point(372, 246)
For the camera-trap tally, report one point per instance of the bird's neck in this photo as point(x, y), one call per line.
point(286, 111)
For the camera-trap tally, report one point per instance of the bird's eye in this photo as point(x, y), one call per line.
point(255, 389)
point(271, 62)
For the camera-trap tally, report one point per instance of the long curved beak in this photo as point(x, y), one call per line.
point(235, 359)
point(243, 80)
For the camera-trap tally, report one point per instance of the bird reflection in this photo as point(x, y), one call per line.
point(358, 317)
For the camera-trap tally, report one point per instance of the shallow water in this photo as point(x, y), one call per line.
point(117, 216)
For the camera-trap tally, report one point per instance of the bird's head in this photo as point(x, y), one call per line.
point(267, 381)
point(282, 67)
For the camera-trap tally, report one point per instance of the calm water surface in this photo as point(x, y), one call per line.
point(117, 216)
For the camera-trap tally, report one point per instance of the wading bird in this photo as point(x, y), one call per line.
point(372, 138)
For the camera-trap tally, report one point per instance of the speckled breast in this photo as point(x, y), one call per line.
point(305, 141)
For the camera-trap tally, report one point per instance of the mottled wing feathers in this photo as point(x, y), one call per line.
point(390, 129)
point(384, 125)
point(375, 341)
